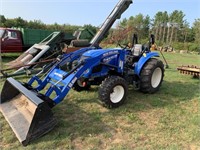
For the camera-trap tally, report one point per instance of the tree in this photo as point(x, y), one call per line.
point(167, 26)
point(36, 24)
point(2, 21)
point(158, 21)
point(90, 27)
point(160, 24)
point(123, 23)
point(139, 24)
point(165, 19)
point(176, 21)
point(196, 28)
point(19, 22)
point(185, 32)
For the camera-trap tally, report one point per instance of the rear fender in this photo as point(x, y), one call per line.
point(146, 56)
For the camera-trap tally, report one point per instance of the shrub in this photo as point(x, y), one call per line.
point(186, 46)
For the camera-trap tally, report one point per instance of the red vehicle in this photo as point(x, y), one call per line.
point(20, 39)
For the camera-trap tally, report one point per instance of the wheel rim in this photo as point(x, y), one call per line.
point(156, 77)
point(117, 94)
point(80, 83)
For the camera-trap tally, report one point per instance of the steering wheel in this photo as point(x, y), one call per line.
point(123, 46)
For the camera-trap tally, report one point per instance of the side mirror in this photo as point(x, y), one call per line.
point(5, 38)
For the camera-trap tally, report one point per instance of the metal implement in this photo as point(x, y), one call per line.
point(46, 49)
point(30, 71)
point(35, 58)
point(190, 70)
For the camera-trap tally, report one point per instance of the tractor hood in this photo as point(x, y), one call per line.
point(98, 52)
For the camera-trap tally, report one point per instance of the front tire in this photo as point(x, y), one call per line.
point(151, 76)
point(113, 91)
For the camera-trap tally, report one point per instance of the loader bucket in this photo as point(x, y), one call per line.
point(28, 115)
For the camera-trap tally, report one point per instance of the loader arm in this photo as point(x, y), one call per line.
point(64, 59)
point(116, 13)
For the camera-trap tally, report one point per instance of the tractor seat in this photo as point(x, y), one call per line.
point(137, 50)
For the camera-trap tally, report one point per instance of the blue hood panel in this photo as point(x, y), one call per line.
point(97, 52)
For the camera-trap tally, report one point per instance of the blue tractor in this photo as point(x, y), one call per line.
point(27, 107)
point(112, 69)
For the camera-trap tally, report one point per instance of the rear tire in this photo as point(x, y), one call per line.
point(113, 91)
point(151, 76)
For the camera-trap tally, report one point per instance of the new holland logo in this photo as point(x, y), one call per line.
point(59, 75)
point(72, 82)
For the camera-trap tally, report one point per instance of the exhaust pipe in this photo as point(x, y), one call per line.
point(28, 115)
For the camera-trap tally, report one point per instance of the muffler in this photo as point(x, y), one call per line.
point(28, 115)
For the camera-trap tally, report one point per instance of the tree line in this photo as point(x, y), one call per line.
point(38, 24)
point(169, 29)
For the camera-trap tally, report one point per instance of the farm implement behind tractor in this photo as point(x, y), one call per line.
point(34, 59)
point(29, 61)
point(190, 70)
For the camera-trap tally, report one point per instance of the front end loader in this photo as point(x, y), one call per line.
point(28, 115)
point(27, 111)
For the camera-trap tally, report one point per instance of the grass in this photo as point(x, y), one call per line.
point(168, 119)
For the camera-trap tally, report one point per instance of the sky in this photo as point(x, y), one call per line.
point(80, 12)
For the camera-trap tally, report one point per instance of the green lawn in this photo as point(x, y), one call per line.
point(168, 119)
